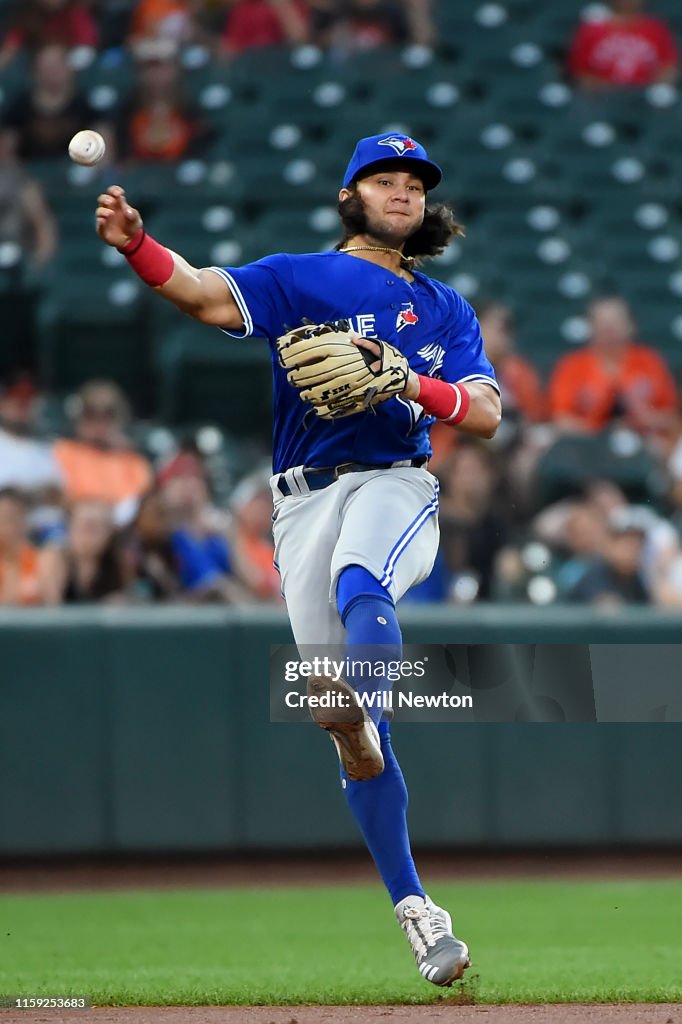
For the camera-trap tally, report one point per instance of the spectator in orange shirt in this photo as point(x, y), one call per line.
point(612, 378)
point(252, 23)
point(159, 123)
point(99, 463)
point(521, 387)
point(628, 48)
point(21, 572)
point(162, 19)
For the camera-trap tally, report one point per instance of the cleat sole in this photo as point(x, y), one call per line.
point(352, 731)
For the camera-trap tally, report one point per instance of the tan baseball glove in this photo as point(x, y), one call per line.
point(336, 376)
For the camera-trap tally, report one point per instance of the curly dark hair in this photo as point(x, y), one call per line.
point(437, 229)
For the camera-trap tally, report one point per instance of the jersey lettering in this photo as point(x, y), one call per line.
point(364, 324)
point(435, 356)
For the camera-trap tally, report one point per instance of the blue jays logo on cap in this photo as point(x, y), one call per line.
point(374, 151)
point(399, 143)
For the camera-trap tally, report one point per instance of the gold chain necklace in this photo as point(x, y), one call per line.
point(379, 248)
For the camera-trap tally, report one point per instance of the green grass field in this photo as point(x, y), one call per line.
point(531, 942)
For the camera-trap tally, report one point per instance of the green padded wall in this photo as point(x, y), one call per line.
point(147, 730)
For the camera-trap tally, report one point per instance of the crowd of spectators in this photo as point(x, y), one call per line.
point(158, 121)
point(625, 47)
point(84, 516)
point(155, 119)
point(597, 531)
point(227, 26)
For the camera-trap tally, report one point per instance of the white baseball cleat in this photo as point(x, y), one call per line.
point(441, 958)
point(355, 735)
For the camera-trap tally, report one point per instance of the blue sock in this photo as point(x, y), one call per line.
point(379, 805)
point(372, 634)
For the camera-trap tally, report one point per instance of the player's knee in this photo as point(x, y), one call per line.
point(356, 582)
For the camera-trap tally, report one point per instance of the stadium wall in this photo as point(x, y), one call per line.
point(141, 731)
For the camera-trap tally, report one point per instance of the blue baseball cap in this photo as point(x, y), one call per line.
point(376, 150)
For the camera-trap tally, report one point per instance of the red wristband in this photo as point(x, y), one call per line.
point(150, 260)
point(447, 402)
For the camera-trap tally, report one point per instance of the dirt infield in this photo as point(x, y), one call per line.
point(664, 1013)
point(77, 874)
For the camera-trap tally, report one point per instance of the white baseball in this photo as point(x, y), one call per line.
point(87, 147)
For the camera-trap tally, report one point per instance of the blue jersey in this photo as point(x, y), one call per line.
point(429, 322)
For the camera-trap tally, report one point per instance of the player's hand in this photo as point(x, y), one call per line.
point(116, 221)
point(411, 388)
point(369, 346)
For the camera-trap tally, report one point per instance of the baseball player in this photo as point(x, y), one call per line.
point(367, 353)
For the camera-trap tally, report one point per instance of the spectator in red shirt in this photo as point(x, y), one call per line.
point(252, 23)
point(612, 378)
point(38, 23)
point(627, 49)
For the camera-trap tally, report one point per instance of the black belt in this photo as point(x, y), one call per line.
point(316, 479)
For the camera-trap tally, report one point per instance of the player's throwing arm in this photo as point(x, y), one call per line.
point(199, 293)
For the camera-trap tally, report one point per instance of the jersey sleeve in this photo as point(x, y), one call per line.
point(263, 293)
point(465, 358)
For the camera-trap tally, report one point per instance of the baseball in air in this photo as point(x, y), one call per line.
point(87, 147)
